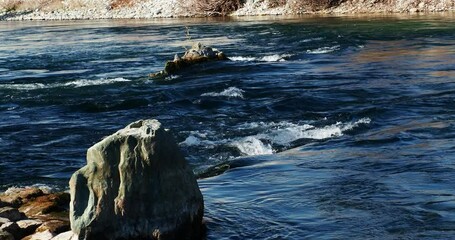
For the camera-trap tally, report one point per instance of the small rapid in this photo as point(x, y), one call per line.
point(260, 138)
point(269, 58)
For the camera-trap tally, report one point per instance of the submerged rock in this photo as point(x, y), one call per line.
point(197, 54)
point(136, 184)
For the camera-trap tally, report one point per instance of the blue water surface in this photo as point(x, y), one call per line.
point(333, 127)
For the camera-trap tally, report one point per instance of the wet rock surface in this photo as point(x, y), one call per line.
point(198, 53)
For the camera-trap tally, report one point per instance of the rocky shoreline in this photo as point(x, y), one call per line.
point(136, 185)
point(33, 213)
point(149, 9)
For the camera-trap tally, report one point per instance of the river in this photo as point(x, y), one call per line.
point(333, 127)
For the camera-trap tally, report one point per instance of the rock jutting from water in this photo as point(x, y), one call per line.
point(197, 54)
point(136, 184)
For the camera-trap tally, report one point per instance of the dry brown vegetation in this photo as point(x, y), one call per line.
point(92, 4)
point(29, 5)
point(313, 5)
point(212, 7)
point(10, 5)
point(276, 3)
point(122, 3)
point(225, 7)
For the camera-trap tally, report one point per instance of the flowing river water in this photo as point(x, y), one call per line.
point(333, 127)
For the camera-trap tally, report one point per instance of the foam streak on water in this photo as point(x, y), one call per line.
point(71, 84)
point(231, 92)
point(269, 58)
point(324, 50)
point(272, 134)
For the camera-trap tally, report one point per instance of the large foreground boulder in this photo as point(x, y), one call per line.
point(136, 185)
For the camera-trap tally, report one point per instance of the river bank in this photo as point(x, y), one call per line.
point(366, 104)
point(14, 10)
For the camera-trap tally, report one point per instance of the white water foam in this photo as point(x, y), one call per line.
point(270, 58)
point(16, 189)
point(25, 86)
point(284, 133)
point(74, 84)
point(292, 132)
point(85, 83)
point(323, 50)
point(243, 59)
point(191, 141)
point(311, 39)
point(252, 146)
point(197, 138)
point(172, 77)
point(231, 92)
point(118, 60)
point(271, 134)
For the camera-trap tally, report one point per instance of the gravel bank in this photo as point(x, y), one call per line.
point(258, 8)
point(102, 9)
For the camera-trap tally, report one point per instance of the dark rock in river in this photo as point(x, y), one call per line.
point(197, 54)
point(136, 184)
